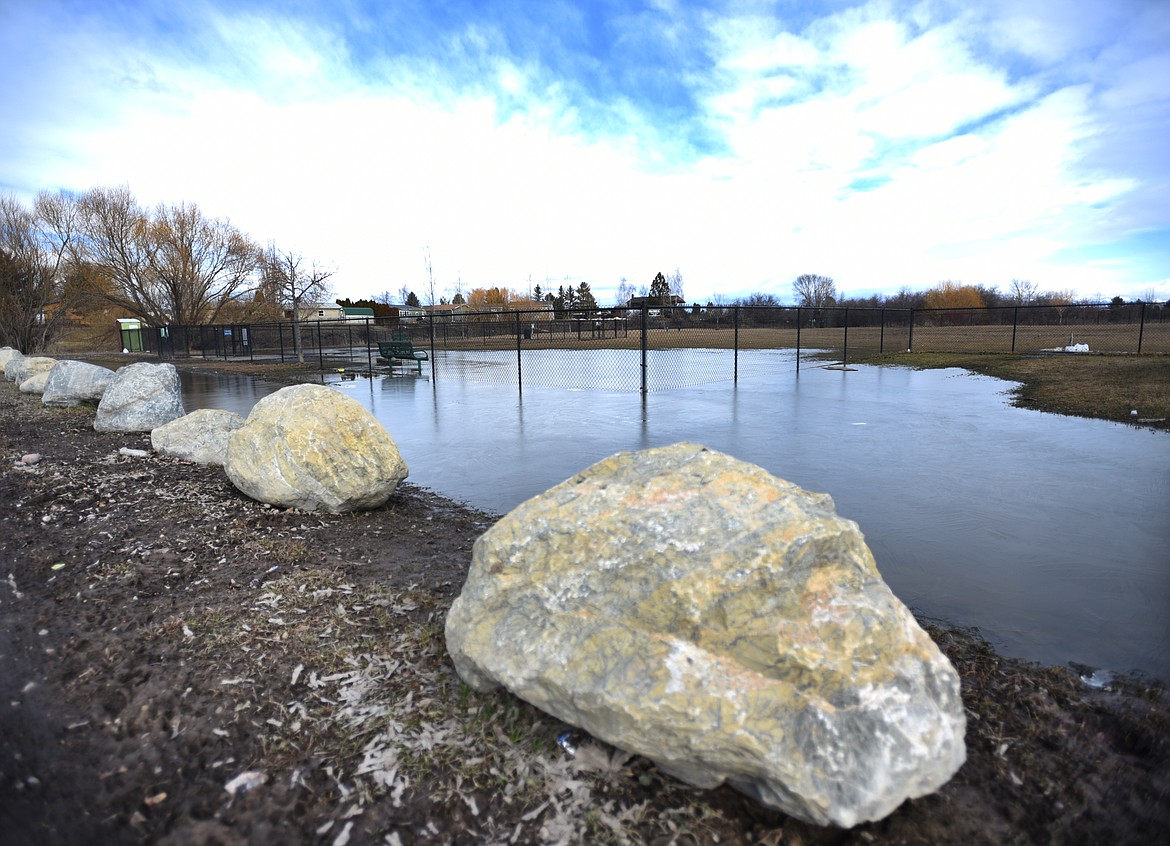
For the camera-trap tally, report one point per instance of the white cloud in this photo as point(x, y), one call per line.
point(882, 149)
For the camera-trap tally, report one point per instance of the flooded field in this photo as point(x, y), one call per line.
point(1048, 533)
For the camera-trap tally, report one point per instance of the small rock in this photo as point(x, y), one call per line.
point(31, 458)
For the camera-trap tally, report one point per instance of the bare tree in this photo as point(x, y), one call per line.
point(172, 265)
point(625, 292)
point(1022, 291)
point(202, 264)
point(814, 291)
point(430, 277)
point(294, 281)
point(675, 281)
point(34, 252)
point(760, 299)
point(1059, 300)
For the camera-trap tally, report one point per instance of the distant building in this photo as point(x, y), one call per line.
point(358, 313)
point(448, 312)
point(407, 312)
point(316, 311)
point(656, 302)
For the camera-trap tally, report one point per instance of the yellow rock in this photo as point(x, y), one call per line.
point(725, 623)
point(312, 447)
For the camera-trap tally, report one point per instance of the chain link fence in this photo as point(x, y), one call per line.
point(642, 349)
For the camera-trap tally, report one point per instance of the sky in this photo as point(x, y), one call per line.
point(742, 143)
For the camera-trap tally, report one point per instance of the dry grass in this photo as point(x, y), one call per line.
point(1108, 338)
point(1104, 387)
point(356, 677)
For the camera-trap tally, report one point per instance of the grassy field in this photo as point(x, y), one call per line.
point(571, 334)
point(1107, 387)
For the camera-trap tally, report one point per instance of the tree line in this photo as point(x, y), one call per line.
point(170, 264)
point(815, 291)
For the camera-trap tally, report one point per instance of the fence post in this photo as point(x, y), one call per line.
point(519, 372)
point(735, 369)
point(910, 340)
point(369, 351)
point(845, 351)
point(431, 327)
point(799, 320)
point(1015, 321)
point(280, 336)
point(320, 352)
point(645, 323)
point(1141, 326)
point(882, 332)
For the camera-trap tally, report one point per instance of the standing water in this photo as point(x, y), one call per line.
point(1048, 533)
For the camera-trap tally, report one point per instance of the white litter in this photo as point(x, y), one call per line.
point(1100, 680)
point(245, 782)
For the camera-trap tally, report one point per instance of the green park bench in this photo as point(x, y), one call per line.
point(400, 348)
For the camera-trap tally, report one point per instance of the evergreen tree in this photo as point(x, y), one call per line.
point(660, 289)
point(412, 300)
point(585, 298)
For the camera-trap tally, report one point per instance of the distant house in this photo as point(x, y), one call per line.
point(448, 312)
point(316, 311)
point(406, 312)
point(358, 313)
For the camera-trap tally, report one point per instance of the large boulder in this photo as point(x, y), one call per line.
point(35, 384)
point(312, 447)
point(201, 436)
point(141, 397)
point(27, 366)
point(72, 383)
point(7, 354)
point(730, 626)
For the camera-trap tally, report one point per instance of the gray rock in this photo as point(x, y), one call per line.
point(201, 436)
point(25, 367)
point(72, 383)
point(7, 354)
point(35, 384)
point(728, 625)
point(311, 447)
point(141, 397)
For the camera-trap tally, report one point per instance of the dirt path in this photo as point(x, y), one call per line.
point(182, 665)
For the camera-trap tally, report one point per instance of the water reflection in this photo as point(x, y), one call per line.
point(1049, 533)
point(228, 392)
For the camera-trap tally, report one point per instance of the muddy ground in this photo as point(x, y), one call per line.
point(182, 665)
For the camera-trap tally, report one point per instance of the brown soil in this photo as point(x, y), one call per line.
point(162, 637)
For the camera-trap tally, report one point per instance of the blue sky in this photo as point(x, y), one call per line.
point(744, 143)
